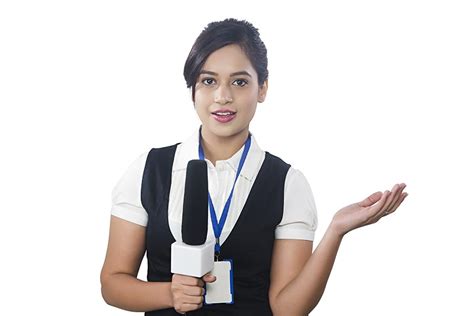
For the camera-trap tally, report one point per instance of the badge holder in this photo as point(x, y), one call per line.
point(222, 289)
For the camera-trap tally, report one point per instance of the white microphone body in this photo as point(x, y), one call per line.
point(192, 260)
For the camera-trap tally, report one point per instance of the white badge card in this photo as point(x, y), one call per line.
point(222, 289)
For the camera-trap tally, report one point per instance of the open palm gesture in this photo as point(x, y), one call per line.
point(370, 210)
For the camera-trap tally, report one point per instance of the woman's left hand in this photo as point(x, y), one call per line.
point(368, 211)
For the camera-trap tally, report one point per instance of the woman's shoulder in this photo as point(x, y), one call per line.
point(165, 148)
point(276, 160)
point(294, 175)
point(161, 154)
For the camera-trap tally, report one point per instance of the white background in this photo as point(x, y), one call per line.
point(362, 95)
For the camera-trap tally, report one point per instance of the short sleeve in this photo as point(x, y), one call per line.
point(126, 195)
point(299, 219)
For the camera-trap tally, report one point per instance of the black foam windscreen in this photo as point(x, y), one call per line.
point(195, 205)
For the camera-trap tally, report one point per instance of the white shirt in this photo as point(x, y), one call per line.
point(299, 219)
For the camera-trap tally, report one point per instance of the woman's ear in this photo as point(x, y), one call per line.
point(262, 91)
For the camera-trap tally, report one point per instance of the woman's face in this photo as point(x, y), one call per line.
point(227, 92)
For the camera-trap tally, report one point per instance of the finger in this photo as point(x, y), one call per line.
point(374, 209)
point(189, 280)
point(379, 213)
point(193, 290)
point(397, 192)
point(394, 191)
point(194, 299)
point(383, 211)
point(187, 307)
point(400, 200)
point(389, 199)
point(186, 302)
point(397, 204)
point(393, 205)
point(208, 278)
point(374, 197)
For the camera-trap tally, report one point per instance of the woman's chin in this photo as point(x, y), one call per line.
point(225, 131)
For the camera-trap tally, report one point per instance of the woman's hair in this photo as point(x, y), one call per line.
point(222, 33)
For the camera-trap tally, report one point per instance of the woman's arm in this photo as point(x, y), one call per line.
point(298, 278)
point(120, 286)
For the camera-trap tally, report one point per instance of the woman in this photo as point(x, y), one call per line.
point(271, 217)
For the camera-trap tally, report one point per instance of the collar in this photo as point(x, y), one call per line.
point(188, 150)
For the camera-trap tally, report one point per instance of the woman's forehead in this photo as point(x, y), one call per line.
point(228, 61)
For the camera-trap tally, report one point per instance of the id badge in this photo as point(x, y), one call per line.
point(222, 289)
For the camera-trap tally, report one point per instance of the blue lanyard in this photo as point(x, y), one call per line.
point(218, 226)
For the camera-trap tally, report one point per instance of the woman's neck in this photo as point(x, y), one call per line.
point(222, 148)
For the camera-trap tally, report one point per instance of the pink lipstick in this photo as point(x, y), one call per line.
point(223, 115)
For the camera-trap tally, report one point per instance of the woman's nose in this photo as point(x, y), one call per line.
point(223, 95)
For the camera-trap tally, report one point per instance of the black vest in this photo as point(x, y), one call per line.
point(249, 245)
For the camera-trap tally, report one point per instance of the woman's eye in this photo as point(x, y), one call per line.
point(241, 82)
point(208, 81)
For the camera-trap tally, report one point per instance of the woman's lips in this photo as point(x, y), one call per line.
point(224, 115)
point(224, 118)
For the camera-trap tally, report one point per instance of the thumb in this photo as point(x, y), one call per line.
point(374, 197)
point(209, 278)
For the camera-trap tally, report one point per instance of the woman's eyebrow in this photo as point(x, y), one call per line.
point(238, 73)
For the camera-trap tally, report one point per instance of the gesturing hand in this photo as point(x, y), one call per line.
point(188, 292)
point(368, 211)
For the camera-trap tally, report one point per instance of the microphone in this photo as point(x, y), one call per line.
point(195, 204)
point(194, 256)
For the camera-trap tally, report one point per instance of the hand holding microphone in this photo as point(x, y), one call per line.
point(188, 291)
point(192, 258)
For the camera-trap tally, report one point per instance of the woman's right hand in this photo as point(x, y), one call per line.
point(188, 291)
